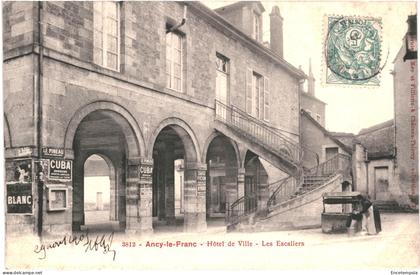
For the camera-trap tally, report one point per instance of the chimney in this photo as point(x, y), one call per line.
point(276, 31)
point(311, 81)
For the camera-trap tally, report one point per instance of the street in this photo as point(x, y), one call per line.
point(396, 247)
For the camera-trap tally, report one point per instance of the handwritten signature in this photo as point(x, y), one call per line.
point(103, 242)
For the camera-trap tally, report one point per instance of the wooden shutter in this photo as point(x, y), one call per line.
point(260, 97)
point(266, 99)
point(248, 92)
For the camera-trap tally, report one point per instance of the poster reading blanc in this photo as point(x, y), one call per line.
point(19, 187)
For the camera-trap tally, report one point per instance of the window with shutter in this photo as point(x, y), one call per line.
point(248, 103)
point(266, 99)
point(257, 94)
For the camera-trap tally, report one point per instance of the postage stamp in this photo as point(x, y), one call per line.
point(353, 50)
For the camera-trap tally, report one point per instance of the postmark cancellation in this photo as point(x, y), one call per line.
point(352, 50)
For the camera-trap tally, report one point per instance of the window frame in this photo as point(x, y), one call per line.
point(331, 147)
point(257, 83)
point(104, 46)
point(257, 26)
point(226, 73)
point(181, 55)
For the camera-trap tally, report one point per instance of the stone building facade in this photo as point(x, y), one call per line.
point(387, 153)
point(135, 83)
point(406, 123)
point(379, 146)
point(319, 141)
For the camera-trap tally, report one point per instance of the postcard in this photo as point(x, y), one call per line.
point(214, 135)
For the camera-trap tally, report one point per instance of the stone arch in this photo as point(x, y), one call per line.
point(6, 134)
point(221, 154)
point(185, 133)
point(257, 188)
point(232, 142)
point(122, 116)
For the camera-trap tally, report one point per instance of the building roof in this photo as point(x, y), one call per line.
point(348, 149)
point(342, 134)
point(239, 5)
point(346, 138)
point(313, 97)
point(379, 140)
point(376, 127)
point(219, 22)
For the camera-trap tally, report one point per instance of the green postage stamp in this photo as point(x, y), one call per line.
point(353, 50)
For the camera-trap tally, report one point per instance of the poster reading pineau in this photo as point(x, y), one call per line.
point(174, 136)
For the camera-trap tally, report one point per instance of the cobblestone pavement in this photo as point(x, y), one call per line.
point(396, 247)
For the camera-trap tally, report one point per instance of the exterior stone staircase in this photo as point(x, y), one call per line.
point(273, 146)
point(296, 203)
point(310, 183)
point(285, 154)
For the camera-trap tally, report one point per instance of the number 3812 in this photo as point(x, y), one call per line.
point(128, 244)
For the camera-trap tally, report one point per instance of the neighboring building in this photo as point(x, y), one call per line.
point(147, 86)
point(316, 140)
point(379, 143)
point(406, 119)
point(391, 148)
point(318, 143)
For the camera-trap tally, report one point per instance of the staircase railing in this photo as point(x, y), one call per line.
point(285, 190)
point(339, 162)
point(290, 185)
point(241, 207)
point(256, 129)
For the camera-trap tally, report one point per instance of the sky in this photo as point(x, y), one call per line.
point(349, 109)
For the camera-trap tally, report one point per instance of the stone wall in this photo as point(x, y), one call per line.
point(315, 141)
point(406, 121)
point(68, 30)
point(301, 212)
point(73, 87)
point(314, 105)
point(19, 25)
point(18, 101)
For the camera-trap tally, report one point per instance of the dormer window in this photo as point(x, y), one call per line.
point(257, 26)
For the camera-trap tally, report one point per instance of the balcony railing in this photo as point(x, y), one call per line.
point(256, 129)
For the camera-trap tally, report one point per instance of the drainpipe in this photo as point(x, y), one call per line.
point(39, 117)
point(184, 19)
